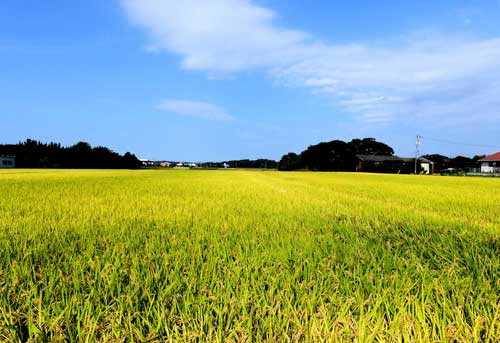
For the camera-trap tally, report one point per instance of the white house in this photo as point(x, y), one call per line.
point(490, 164)
point(7, 162)
point(426, 165)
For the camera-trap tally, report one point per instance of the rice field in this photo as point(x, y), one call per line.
point(247, 256)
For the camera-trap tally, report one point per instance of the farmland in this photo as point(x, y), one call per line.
point(247, 256)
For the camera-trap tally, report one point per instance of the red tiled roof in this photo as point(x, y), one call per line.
point(491, 158)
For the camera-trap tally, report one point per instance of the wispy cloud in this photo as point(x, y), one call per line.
point(439, 80)
point(217, 35)
point(201, 110)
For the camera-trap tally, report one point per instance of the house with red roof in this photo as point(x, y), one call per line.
point(490, 164)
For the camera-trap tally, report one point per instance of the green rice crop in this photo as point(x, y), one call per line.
point(247, 256)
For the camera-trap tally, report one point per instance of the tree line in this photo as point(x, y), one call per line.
point(35, 154)
point(461, 163)
point(336, 155)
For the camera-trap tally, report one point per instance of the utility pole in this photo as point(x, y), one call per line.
point(417, 152)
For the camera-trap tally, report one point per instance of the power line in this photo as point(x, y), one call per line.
point(462, 144)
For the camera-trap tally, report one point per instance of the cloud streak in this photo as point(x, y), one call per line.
point(217, 35)
point(438, 80)
point(200, 110)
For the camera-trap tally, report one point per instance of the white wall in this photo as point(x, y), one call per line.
point(426, 168)
point(485, 167)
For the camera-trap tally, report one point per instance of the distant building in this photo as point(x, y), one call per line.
point(393, 164)
point(146, 162)
point(426, 166)
point(490, 164)
point(7, 162)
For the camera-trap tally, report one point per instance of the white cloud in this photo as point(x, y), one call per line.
point(193, 109)
point(217, 35)
point(445, 80)
point(440, 80)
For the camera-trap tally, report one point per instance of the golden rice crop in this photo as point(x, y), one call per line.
point(247, 256)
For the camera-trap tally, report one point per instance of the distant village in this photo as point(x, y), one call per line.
point(246, 163)
point(359, 155)
point(487, 166)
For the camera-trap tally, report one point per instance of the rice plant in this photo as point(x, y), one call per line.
point(247, 256)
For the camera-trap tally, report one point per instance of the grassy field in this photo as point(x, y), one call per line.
point(247, 256)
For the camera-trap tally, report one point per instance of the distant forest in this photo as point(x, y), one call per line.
point(35, 154)
point(338, 155)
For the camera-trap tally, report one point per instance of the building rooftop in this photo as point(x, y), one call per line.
point(491, 158)
point(390, 158)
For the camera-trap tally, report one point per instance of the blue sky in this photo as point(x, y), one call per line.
point(225, 79)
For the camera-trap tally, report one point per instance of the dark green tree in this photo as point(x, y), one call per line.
point(34, 154)
point(334, 156)
point(328, 156)
point(370, 146)
point(441, 162)
point(290, 161)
